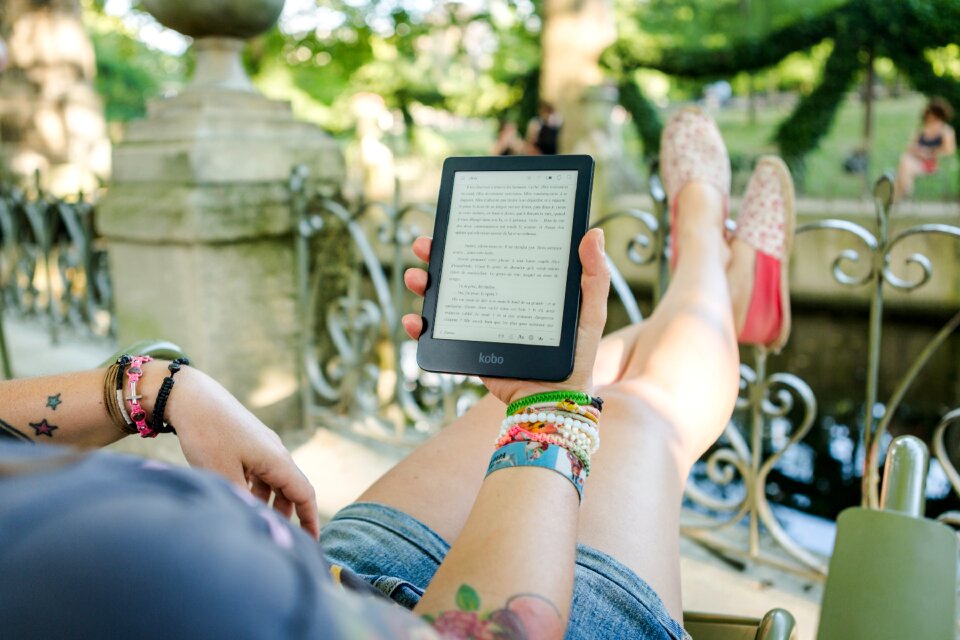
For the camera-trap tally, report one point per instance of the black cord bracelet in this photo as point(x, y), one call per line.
point(163, 395)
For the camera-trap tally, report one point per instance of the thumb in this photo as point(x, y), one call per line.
point(595, 283)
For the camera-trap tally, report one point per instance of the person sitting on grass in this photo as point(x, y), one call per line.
point(935, 140)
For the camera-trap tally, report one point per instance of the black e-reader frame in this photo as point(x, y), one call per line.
point(506, 359)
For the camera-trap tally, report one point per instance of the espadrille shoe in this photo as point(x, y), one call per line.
point(766, 223)
point(691, 148)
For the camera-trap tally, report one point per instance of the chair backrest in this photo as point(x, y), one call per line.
point(893, 574)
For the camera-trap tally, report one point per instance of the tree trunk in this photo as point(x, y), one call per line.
point(575, 34)
point(51, 119)
point(868, 118)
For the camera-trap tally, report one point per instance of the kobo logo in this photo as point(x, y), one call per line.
point(490, 358)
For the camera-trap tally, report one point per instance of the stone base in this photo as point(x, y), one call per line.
point(200, 237)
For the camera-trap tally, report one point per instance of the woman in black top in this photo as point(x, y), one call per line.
point(543, 134)
point(936, 138)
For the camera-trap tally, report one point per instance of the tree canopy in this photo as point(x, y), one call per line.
point(859, 31)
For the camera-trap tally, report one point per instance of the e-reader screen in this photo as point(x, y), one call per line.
point(503, 283)
point(506, 257)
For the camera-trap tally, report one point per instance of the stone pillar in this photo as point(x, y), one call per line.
point(51, 118)
point(199, 227)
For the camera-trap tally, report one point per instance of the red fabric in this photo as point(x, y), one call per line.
point(765, 315)
point(929, 165)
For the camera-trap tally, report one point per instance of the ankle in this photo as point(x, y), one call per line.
point(740, 275)
point(700, 205)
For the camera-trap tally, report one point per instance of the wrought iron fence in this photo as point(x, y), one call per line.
point(52, 266)
point(360, 372)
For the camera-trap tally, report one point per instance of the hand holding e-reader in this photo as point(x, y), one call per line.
point(503, 289)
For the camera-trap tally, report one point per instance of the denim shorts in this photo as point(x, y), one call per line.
point(399, 555)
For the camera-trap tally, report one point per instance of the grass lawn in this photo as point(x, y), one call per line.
point(895, 120)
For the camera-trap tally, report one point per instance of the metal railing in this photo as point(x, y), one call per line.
point(360, 373)
point(52, 266)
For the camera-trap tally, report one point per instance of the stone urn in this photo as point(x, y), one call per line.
point(219, 29)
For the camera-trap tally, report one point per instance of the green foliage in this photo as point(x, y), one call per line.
point(125, 77)
point(471, 61)
point(801, 133)
point(129, 73)
point(900, 30)
point(644, 115)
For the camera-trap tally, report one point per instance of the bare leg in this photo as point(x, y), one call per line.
point(907, 171)
point(675, 398)
point(669, 386)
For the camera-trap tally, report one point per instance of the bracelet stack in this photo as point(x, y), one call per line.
point(125, 410)
point(558, 430)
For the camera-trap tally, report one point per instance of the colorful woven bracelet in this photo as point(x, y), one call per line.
point(521, 435)
point(163, 395)
point(548, 396)
point(137, 414)
point(539, 454)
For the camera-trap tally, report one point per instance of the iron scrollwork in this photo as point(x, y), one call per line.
point(52, 265)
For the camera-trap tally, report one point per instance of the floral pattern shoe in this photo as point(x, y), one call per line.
point(766, 223)
point(691, 148)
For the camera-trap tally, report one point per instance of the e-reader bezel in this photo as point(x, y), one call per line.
point(530, 362)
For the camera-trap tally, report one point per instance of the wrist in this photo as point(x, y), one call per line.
point(153, 374)
point(156, 390)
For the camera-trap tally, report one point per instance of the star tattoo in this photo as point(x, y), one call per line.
point(54, 401)
point(44, 428)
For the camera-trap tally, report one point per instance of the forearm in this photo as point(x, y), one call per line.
point(516, 553)
point(68, 409)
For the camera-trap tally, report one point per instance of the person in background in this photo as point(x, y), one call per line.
point(508, 141)
point(543, 133)
point(936, 138)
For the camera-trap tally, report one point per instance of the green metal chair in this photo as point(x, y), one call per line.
point(893, 574)
point(153, 348)
point(778, 624)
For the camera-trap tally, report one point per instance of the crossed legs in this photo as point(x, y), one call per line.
point(669, 386)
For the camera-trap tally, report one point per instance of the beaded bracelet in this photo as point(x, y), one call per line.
point(163, 395)
point(539, 454)
point(553, 422)
point(555, 415)
point(137, 413)
point(587, 411)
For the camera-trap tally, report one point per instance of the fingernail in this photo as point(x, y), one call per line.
point(601, 241)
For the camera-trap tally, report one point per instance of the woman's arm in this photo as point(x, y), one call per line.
point(949, 145)
point(511, 569)
point(216, 432)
